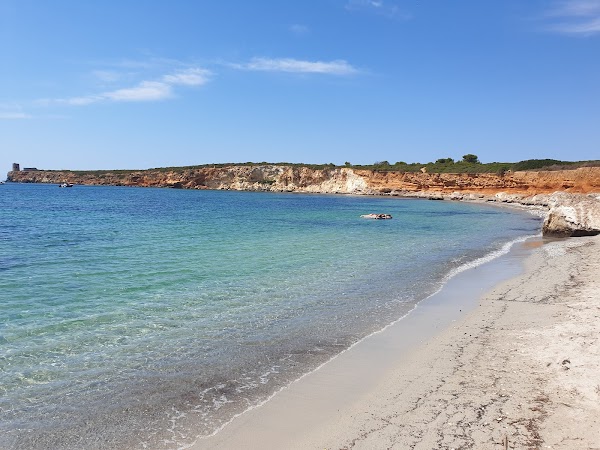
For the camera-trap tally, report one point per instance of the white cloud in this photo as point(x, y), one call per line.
point(358, 4)
point(14, 116)
point(586, 28)
point(337, 67)
point(107, 76)
point(149, 90)
point(379, 7)
point(143, 92)
point(576, 17)
point(189, 77)
point(75, 101)
point(139, 64)
point(575, 8)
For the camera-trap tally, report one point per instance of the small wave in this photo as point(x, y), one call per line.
point(486, 258)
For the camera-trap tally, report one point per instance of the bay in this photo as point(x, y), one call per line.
point(142, 318)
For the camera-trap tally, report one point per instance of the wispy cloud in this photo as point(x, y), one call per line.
point(13, 111)
point(299, 30)
point(575, 17)
point(144, 91)
point(147, 63)
point(188, 77)
point(379, 7)
point(14, 116)
point(107, 76)
point(336, 67)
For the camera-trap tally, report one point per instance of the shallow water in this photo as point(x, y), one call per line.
point(137, 317)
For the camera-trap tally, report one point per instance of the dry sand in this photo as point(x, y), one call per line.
point(521, 370)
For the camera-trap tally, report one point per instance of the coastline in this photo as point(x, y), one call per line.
point(151, 422)
point(570, 197)
point(362, 388)
point(514, 372)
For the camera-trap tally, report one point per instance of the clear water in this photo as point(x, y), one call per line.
point(142, 318)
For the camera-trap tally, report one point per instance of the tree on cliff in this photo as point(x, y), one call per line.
point(380, 164)
point(471, 158)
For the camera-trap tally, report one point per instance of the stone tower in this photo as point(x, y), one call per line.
point(16, 167)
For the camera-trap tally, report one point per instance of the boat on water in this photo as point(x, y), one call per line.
point(64, 185)
point(376, 216)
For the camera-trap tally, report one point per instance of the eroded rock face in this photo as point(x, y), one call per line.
point(508, 188)
point(572, 215)
point(275, 178)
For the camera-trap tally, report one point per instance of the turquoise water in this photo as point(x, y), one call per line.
point(133, 318)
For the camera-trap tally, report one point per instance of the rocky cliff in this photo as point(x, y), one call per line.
point(275, 178)
point(279, 178)
point(528, 188)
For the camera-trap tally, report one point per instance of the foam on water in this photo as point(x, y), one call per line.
point(142, 318)
point(487, 258)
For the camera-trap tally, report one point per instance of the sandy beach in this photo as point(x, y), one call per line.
point(514, 366)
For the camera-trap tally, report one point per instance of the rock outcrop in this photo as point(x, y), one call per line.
point(572, 215)
point(571, 212)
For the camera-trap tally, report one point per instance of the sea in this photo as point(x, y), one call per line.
point(141, 318)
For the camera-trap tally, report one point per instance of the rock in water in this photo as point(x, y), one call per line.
point(572, 215)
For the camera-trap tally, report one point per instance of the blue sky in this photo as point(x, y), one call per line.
point(89, 84)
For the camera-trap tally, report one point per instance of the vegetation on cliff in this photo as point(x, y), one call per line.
point(469, 164)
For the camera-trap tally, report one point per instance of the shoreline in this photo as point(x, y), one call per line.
point(72, 430)
point(360, 386)
point(498, 259)
point(454, 387)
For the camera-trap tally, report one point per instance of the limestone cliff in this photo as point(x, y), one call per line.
point(277, 178)
point(280, 178)
point(571, 213)
point(581, 180)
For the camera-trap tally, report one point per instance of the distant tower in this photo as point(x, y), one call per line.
point(16, 167)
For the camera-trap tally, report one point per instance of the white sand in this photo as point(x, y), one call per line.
point(522, 370)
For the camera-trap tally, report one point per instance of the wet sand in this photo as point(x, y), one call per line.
point(502, 357)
